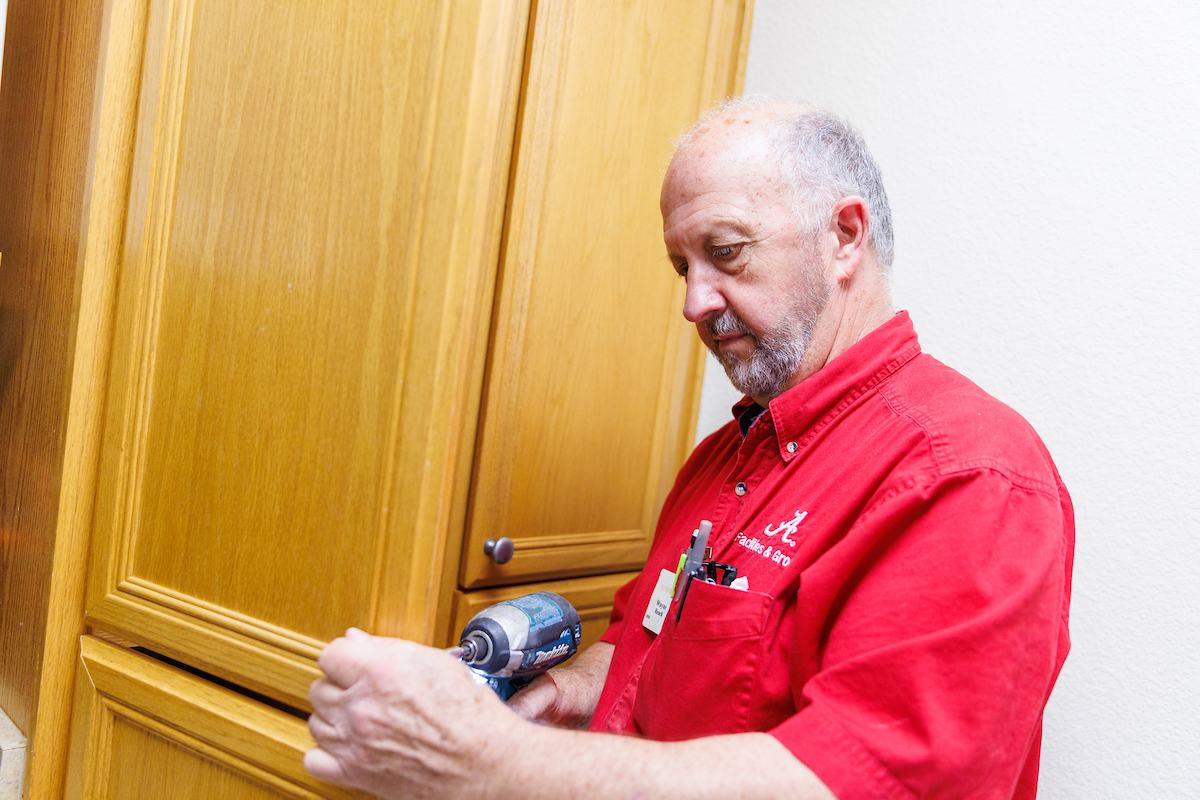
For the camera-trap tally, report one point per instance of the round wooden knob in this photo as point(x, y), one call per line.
point(499, 550)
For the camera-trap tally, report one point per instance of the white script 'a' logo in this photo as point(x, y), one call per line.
point(787, 528)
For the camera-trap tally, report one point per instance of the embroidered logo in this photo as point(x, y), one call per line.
point(787, 528)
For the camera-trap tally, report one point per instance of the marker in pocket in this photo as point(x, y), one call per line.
point(707, 572)
point(695, 554)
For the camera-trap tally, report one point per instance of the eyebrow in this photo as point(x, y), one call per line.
point(720, 229)
point(725, 227)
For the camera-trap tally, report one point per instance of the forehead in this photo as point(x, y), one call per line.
point(729, 176)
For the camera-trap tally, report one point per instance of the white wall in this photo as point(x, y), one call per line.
point(1043, 161)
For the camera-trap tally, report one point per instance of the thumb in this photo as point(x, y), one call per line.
point(532, 702)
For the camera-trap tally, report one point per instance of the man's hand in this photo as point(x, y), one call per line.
point(566, 697)
point(399, 719)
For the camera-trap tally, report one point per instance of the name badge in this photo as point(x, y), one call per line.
point(660, 601)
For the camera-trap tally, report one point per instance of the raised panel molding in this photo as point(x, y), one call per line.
point(276, 663)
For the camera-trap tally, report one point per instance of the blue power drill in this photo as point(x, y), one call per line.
point(509, 644)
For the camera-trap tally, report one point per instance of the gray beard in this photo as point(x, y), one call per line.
point(775, 358)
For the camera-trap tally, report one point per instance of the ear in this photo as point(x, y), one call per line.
point(851, 224)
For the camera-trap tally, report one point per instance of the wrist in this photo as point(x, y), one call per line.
point(575, 701)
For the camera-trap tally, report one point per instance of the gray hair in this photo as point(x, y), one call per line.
point(823, 159)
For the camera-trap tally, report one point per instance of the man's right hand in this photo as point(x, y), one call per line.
point(566, 697)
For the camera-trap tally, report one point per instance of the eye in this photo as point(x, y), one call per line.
point(681, 268)
point(726, 251)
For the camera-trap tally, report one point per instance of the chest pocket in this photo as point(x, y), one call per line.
point(700, 675)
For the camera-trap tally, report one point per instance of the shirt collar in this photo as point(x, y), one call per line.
point(800, 412)
point(746, 411)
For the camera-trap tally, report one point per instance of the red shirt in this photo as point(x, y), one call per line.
point(908, 546)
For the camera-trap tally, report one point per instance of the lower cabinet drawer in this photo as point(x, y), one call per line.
point(144, 729)
point(592, 598)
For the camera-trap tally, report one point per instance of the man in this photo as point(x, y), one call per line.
point(903, 544)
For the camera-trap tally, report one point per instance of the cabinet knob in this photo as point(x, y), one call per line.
point(499, 550)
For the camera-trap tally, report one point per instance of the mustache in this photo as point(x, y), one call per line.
point(727, 323)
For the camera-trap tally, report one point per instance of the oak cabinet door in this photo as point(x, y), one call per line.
point(593, 373)
point(309, 225)
point(147, 730)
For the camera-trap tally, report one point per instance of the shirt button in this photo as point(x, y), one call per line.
point(740, 489)
point(792, 447)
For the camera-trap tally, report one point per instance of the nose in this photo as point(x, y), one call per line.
point(703, 300)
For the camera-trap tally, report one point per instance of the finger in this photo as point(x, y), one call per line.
point(355, 633)
point(323, 766)
point(324, 695)
point(532, 702)
point(342, 662)
point(324, 732)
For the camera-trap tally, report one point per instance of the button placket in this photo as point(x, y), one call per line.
point(744, 461)
point(760, 468)
point(753, 462)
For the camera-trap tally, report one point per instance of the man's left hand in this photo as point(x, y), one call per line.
point(399, 719)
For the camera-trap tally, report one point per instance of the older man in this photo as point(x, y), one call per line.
point(903, 544)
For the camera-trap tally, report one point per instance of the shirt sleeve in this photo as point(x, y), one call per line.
point(944, 610)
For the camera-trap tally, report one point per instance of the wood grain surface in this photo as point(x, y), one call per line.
point(46, 106)
point(145, 729)
point(310, 242)
point(591, 362)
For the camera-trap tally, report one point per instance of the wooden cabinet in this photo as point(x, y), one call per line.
point(358, 287)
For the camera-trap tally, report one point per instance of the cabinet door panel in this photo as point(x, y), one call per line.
point(315, 197)
point(590, 408)
point(145, 729)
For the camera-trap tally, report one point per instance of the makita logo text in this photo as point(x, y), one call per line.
point(546, 655)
